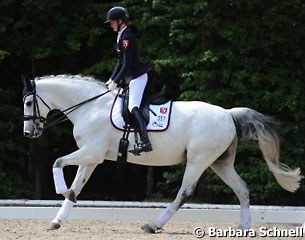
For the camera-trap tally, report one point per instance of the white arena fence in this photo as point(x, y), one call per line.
point(147, 211)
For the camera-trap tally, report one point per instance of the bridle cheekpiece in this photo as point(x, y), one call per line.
point(31, 90)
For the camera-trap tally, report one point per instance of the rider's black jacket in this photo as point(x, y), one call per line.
point(128, 66)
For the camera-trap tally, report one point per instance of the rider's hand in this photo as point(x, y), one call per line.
point(109, 81)
point(112, 85)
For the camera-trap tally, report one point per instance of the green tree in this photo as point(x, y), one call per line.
point(226, 52)
point(241, 53)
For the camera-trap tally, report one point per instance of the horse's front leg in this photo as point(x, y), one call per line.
point(83, 156)
point(82, 176)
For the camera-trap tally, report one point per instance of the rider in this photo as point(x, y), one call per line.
point(129, 71)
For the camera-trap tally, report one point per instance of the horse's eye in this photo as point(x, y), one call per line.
point(28, 103)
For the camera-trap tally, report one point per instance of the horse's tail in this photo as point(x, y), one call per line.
point(256, 126)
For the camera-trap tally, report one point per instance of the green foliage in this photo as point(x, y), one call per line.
point(239, 53)
point(3, 55)
point(13, 164)
point(229, 53)
point(169, 185)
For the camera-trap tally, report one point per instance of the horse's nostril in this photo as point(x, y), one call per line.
point(26, 133)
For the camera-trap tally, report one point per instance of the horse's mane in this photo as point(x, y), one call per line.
point(71, 77)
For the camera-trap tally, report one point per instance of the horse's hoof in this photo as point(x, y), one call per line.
point(53, 226)
point(149, 228)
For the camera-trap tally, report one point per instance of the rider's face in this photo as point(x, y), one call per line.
point(114, 25)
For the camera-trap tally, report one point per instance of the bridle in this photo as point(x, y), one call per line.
point(56, 118)
point(36, 112)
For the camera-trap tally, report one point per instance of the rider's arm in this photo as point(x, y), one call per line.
point(127, 52)
point(116, 69)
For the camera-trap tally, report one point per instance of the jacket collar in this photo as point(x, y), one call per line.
point(120, 33)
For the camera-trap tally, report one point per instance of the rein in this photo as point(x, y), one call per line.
point(53, 119)
point(67, 111)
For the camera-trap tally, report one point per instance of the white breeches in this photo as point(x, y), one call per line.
point(136, 89)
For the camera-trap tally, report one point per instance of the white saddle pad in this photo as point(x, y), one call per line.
point(159, 116)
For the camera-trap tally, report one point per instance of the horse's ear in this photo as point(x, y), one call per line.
point(27, 83)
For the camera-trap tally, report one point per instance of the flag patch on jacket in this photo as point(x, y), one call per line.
point(125, 43)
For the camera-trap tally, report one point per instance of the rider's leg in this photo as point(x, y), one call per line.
point(145, 145)
point(136, 89)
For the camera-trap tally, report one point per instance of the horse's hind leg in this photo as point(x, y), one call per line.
point(224, 168)
point(192, 173)
point(232, 179)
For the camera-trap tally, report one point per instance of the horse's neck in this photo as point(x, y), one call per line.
point(63, 94)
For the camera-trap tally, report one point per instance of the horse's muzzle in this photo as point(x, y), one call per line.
point(34, 132)
point(27, 134)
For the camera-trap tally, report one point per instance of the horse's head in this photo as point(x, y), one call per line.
point(35, 110)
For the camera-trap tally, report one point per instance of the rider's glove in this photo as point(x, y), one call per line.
point(112, 85)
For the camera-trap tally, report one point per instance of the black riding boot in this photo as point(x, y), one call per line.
point(144, 145)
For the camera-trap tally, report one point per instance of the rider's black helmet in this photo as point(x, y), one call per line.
point(117, 13)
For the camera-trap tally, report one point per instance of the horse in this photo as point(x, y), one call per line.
point(200, 135)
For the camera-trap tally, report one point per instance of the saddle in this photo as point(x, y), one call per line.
point(157, 99)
